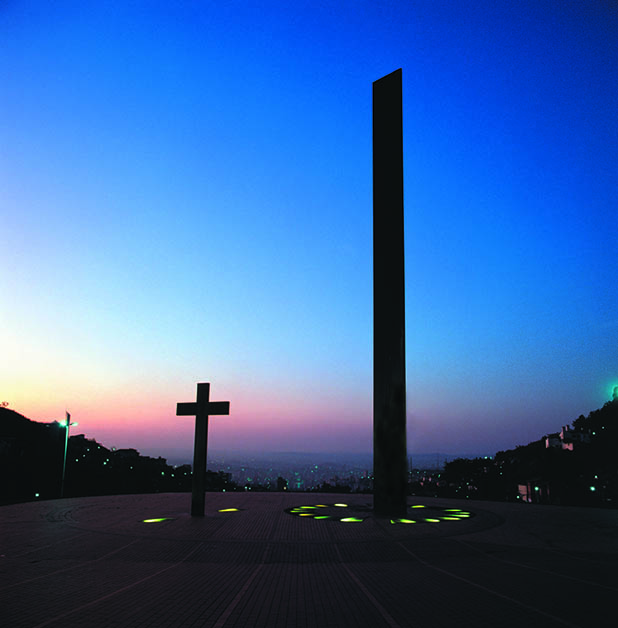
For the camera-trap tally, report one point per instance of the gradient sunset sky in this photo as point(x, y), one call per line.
point(186, 195)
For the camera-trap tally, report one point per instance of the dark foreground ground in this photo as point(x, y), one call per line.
point(93, 562)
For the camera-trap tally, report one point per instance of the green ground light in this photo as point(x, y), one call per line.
point(428, 514)
point(315, 512)
point(158, 520)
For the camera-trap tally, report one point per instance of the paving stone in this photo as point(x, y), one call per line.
point(95, 562)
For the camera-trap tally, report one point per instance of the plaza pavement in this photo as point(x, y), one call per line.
point(93, 562)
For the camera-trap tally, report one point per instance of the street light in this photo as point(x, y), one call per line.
point(66, 424)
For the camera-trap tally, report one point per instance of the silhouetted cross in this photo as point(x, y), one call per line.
point(201, 409)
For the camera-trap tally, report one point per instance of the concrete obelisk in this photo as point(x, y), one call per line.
point(389, 364)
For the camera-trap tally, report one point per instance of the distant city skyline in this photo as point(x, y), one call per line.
point(186, 197)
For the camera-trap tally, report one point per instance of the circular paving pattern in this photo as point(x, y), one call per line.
point(417, 513)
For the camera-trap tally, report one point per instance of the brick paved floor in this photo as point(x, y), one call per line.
point(93, 562)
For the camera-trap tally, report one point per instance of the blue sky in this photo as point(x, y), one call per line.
point(185, 195)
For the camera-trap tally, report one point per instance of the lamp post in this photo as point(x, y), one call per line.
point(66, 424)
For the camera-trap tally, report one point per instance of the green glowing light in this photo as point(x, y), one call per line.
point(156, 520)
point(229, 510)
point(442, 514)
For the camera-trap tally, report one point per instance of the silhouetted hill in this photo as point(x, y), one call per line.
point(576, 466)
point(30, 457)
point(32, 454)
point(14, 425)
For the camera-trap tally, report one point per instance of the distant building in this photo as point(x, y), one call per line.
point(534, 492)
point(566, 439)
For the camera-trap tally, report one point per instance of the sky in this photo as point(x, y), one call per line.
point(186, 196)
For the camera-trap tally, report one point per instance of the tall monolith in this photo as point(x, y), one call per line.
point(389, 353)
